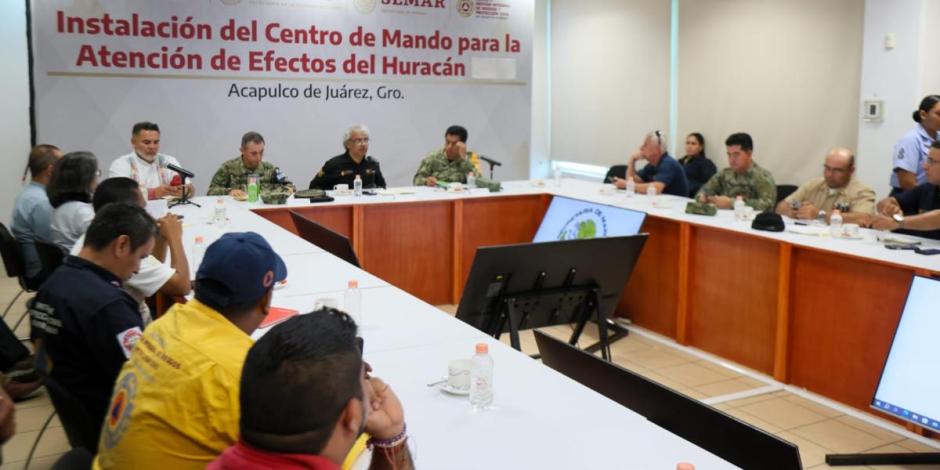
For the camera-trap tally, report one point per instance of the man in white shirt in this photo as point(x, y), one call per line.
point(147, 166)
point(154, 275)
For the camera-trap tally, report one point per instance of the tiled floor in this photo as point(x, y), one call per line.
point(817, 429)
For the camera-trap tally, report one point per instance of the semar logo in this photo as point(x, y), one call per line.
point(364, 6)
point(466, 8)
point(415, 3)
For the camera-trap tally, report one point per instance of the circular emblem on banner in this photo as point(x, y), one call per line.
point(466, 8)
point(586, 223)
point(122, 404)
point(364, 6)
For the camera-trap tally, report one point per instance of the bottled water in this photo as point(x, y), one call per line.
point(740, 209)
point(481, 378)
point(835, 223)
point(651, 193)
point(631, 187)
point(352, 301)
point(357, 186)
point(199, 250)
point(471, 180)
point(253, 188)
point(219, 216)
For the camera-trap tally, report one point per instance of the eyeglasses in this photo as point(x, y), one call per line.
point(363, 140)
point(835, 170)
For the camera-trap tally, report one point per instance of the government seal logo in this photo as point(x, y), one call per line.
point(466, 8)
point(364, 6)
point(586, 223)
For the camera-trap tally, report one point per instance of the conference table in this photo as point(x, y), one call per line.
point(539, 419)
point(807, 309)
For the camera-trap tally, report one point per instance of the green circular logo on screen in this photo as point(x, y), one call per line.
point(586, 223)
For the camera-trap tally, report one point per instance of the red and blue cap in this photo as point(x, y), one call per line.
point(243, 265)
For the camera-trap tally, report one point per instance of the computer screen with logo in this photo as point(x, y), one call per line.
point(573, 219)
point(910, 382)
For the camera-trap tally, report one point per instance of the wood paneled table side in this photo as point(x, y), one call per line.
point(810, 311)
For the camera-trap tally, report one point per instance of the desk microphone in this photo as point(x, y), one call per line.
point(182, 171)
point(490, 161)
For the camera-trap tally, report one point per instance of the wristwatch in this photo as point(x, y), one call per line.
point(899, 218)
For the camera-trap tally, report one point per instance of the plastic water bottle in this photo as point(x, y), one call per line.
point(471, 180)
point(357, 186)
point(199, 250)
point(821, 217)
point(651, 193)
point(835, 223)
point(740, 209)
point(631, 187)
point(252, 188)
point(219, 216)
point(481, 378)
point(352, 301)
point(557, 176)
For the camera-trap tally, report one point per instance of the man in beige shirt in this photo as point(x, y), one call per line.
point(835, 189)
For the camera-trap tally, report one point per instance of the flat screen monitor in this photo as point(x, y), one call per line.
point(910, 381)
point(571, 219)
point(333, 242)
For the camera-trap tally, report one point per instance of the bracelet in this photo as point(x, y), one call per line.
point(390, 443)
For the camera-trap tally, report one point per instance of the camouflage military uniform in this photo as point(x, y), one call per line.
point(437, 165)
point(234, 175)
point(756, 185)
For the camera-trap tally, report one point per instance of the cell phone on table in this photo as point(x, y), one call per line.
point(927, 251)
point(900, 246)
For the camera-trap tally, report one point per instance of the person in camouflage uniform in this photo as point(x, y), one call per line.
point(743, 177)
point(449, 164)
point(231, 179)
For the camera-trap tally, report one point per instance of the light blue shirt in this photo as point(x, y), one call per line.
point(910, 153)
point(32, 220)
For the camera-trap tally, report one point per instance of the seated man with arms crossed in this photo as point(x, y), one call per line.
point(915, 211)
point(231, 179)
point(661, 171)
point(837, 188)
point(147, 166)
point(306, 397)
point(743, 177)
point(450, 164)
point(153, 276)
point(343, 169)
point(85, 325)
point(175, 403)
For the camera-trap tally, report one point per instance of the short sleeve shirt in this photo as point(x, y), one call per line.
point(856, 195)
point(917, 200)
point(88, 326)
point(909, 154)
point(148, 174)
point(69, 221)
point(670, 173)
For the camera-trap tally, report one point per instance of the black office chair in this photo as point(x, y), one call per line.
point(51, 256)
point(79, 427)
point(15, 265)
point(620, 171)
point(784, 190)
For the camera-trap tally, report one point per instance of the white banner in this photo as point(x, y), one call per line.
point(298, 71)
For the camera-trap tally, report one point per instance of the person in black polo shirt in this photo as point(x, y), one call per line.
point(342, 169)
point(661, 171)
point(86, 325)
point(917, 210)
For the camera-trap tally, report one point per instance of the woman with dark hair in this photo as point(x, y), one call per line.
point(910, 153)
point(73, 181)
point(698, 168)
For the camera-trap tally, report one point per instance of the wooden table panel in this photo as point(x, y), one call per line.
point(497, 221)
point(336, 218)
point(843, 317)
point(279, 216)
point(651, 295)
point(411, 247)
point(733, 296)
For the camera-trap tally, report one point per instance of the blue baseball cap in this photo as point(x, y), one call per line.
point(242, 266)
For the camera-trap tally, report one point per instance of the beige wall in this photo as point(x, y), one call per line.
point(609, 77)
point(787, 72)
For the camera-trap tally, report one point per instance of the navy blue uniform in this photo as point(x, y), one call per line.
point(342, 169)
point(87, 325)
point(919, 199)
